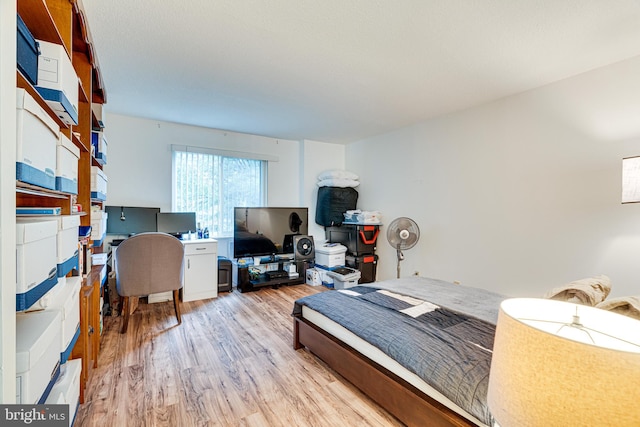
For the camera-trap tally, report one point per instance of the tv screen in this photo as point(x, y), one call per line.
point(127, 220)
point(176, 223)
point(260, 231)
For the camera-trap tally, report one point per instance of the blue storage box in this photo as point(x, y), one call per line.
point(28, 51)
point(99, 143)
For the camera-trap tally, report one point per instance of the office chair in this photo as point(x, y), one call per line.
point(148, 263)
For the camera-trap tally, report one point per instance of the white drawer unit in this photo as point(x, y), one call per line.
point(200, 269)
point(37, 355)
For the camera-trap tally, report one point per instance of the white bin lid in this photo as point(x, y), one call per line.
point(31, 229)
point(331, 249)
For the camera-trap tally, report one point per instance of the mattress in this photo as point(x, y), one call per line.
point(379, 357)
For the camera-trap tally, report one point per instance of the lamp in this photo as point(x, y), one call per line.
point(631, 179)
point(560, 364)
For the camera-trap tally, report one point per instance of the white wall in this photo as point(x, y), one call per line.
point(139, 162)
point(517, 196)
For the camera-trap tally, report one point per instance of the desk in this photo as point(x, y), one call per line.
point(200, 272)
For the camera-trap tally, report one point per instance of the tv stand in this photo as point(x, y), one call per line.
point(247, 284)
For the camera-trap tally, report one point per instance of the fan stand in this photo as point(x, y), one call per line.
point(400, 258)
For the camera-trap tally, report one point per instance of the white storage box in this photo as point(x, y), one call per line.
point(313, 277)
point(330, 255)
point(37, 355)
point(344, 277)
point(67, 156)
point(36, 137)
point(66, 300)
point(36, 260)
point(98, 184)
point(67, 241)
point(67, 389)
point(98, 225)
point(58, 81)
point(99, 143)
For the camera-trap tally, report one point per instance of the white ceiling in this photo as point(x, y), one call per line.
point(341, 70)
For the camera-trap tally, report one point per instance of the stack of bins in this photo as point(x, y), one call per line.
point(361, 241)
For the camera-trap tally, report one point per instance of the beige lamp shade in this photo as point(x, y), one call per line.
point(631, 180)
point(550, 368)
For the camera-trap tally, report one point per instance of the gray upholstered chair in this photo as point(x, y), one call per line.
point(149, 263)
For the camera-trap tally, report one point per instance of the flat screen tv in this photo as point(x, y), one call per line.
point(176, 223)
point(127, 220)
point(260, 231)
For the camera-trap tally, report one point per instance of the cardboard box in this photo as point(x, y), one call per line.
point(37, 135)
point(67, 243)
point(330, 255)
point(99, 143)
point(66, 390)
point(98, 184)
point(28, 51)
point(58, 81)
point(37, 355)
point(36, 259)
point(67, 156)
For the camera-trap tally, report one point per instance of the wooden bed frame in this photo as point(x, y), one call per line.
point(401, 399)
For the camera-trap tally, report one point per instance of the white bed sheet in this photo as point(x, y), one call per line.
point(378, 356)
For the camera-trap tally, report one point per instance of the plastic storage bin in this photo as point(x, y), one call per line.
point(67, 243)
point(359, 239)
point(28, 51)
point(37, 355)
point(36, 139)
point(58, 81)
point(36, 259)
point(330, 255)
point(67, 156)
point(367, 264)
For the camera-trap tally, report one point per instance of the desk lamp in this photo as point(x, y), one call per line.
point(560, 364)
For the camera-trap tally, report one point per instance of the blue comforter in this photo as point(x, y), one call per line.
point(440, 331)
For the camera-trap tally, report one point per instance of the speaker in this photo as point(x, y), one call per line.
point(303, 248)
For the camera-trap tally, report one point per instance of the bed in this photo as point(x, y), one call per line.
point(419, 347)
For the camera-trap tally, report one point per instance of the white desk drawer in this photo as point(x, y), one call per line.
point(200, 247)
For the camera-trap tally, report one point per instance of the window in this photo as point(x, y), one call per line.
point(211, 185)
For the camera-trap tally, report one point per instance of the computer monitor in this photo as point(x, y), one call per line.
point(176, 223)
point(127, 220)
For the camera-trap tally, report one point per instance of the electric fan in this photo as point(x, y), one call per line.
point(403, 233)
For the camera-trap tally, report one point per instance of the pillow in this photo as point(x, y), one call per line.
point(338, 174)
point(338, 182)
point(589, 291)
point(628, 306)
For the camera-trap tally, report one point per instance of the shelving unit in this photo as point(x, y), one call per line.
point(63, 22)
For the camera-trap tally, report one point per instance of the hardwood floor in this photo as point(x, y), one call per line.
point(230, 363)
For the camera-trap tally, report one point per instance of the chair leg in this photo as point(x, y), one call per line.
point(125, 314)
point(176, 304)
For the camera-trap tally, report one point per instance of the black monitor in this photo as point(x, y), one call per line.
point(127, 220)
point(176, 223)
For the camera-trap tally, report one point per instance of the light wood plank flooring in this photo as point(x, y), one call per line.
point(230, 363)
